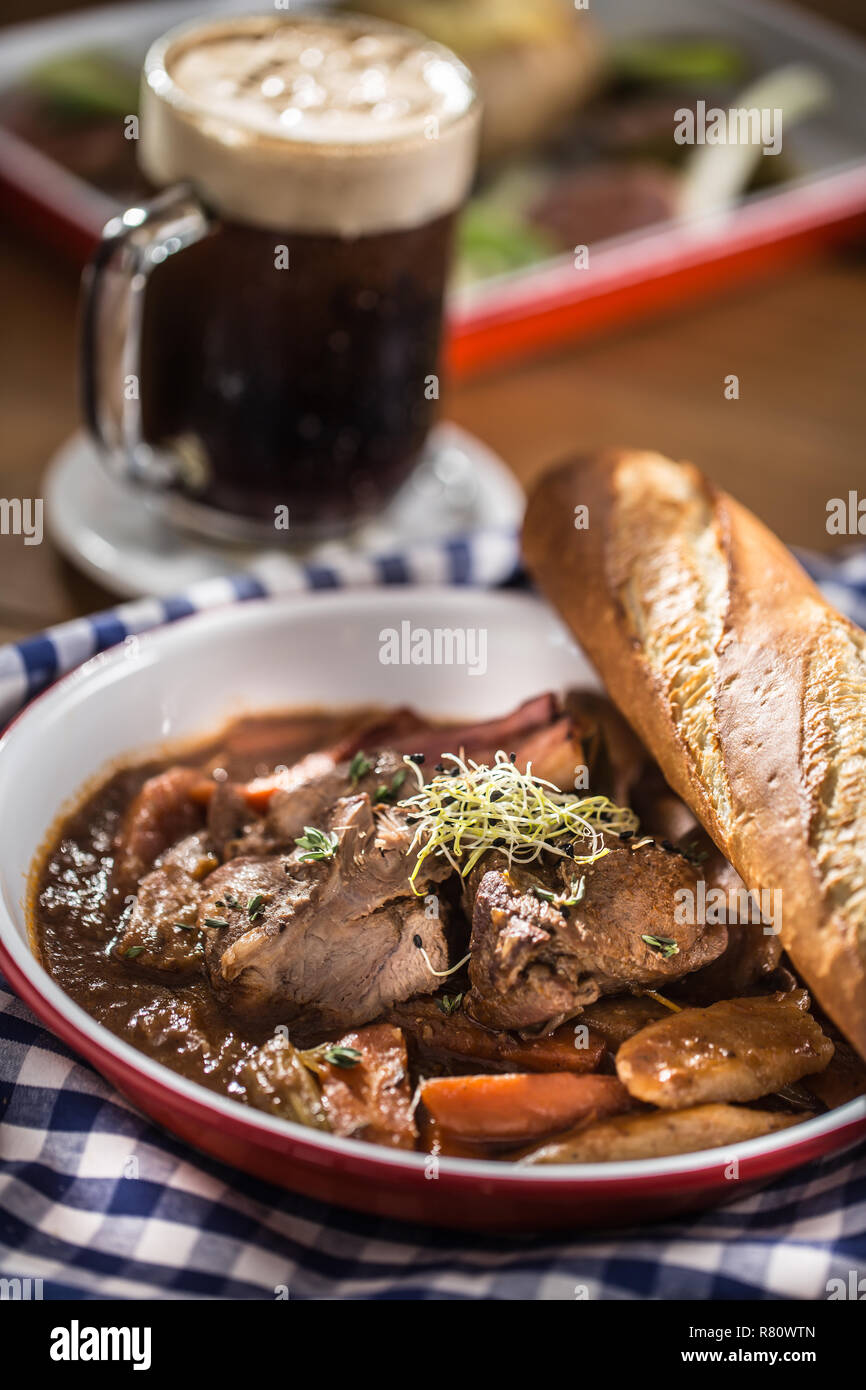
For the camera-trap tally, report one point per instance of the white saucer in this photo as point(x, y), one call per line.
point(110, 532)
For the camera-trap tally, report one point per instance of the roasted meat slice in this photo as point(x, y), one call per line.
point(537, 959)
point(589, 744)
point(615, 758)
point(738, 1049)
point(405, 731)
point(555, 754)
point(338, 937)
point(161, 932)
point(392, 730)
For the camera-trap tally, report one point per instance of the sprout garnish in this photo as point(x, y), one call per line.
point(471, 808)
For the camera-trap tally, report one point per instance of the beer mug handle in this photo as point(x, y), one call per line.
point(114, 286)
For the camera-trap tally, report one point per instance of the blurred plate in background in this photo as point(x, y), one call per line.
point(586, 158)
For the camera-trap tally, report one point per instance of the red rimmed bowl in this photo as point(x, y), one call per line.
point(184, 682)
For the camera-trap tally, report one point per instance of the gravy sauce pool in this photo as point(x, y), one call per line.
point(75, 918)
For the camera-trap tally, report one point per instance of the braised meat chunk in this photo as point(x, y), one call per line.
point(738, 1049)
point(176, 1028)
point(754, 948)
point(268, 814)
point(616, 1017)
point(538, 958)
point(357, 1086)
point(195, 855)
point(365, 1087)
point(339, 936)
point(164, 811)
point(161, 932)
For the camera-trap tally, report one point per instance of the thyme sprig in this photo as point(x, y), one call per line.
point(316, 844)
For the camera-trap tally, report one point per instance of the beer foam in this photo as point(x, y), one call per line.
point(341, 125)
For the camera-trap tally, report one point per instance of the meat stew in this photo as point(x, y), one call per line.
point(466, 940)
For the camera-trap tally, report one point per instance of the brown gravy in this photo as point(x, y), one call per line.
point(80, 918)
point(74, 918)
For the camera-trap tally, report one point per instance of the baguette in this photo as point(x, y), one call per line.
point(747, 687)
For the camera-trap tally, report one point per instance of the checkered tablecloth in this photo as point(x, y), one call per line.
point(99, 1203)
point(177, 1225)
point(483, 558)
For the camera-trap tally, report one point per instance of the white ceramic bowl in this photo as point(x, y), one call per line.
point(187, 680)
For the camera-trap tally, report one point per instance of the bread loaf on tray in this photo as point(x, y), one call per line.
point(745, 684)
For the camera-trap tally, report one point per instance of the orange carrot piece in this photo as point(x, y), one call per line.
point(202, 791)
point(258, 793)
point(564, 1050)
point(572, 1047)
point(516, 1105)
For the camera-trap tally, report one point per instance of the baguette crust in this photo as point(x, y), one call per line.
point(746, 686)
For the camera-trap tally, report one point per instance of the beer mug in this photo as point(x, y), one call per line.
point(261, 339)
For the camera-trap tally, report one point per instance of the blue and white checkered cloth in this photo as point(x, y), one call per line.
point(482, 559)
point(177, 1225)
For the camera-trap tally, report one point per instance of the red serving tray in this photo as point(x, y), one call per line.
point(527, 311)
point(655, 269)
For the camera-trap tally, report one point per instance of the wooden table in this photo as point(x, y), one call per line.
point(793, 439)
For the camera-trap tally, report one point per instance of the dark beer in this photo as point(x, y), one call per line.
point(312, 387)
point(289, 358)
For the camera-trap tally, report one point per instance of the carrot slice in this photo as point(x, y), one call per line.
point(258, 793)
point(563, 1050)
point(516, 1105)
point(202, 791)
point(571, 1048)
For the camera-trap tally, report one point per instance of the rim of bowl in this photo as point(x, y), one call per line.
point(342, 602)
